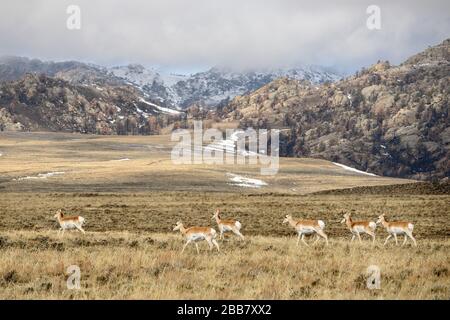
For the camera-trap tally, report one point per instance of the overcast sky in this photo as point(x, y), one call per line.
point(188, 35)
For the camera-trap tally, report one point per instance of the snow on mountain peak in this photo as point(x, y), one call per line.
point(212, 86)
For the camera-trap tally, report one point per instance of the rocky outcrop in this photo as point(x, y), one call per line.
point(389, 120)
point(38, 102)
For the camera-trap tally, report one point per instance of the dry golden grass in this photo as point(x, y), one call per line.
point(118, 265)
point(131, 206)
point(90, 163)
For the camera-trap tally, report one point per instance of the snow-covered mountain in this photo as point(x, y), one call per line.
point(212, 86)
point(207, 88)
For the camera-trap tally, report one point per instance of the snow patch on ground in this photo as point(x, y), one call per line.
point(142, 112)
point(354, 170)
point(40, 176)
point(162, 109)
point(241, 181)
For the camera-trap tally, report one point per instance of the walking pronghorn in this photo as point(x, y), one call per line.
point(196, 234)
point(70, 222)
point(397, 228)
point(358, 227)
point(228, 225)
point(307, 227)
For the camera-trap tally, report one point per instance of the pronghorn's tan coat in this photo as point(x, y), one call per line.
point(194, 234)
point(303, 227)
point(69, 222)
point(396, 228)
point(358, 227)
point(227, 225)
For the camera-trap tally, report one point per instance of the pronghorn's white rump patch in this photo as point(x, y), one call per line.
point(241, 181)
point(321, 224)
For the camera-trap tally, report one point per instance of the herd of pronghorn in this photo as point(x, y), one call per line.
point(302, 227)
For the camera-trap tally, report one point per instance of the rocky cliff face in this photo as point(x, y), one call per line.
point(389, 120)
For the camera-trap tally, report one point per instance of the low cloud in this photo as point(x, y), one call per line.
point(180, 34)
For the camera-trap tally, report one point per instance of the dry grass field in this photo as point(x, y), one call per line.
point(123, 265)
point(142, 163)
point(129, 250)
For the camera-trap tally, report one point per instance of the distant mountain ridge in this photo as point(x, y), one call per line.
point(217, 84)
point(207, 88)
point(13, 68)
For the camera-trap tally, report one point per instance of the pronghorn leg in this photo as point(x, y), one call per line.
point(353, 238)
point(404, 241)
point(196, 246)
point(216, 244)
point(359, 237)
point(303, 240)
point(323, 235)
point(396, 240)
point(237, 232)
point(412, 238)
point(209, 241)
point(62, 234)
point(298, 239)
point(79, 228)
point(185, 245)
point(317, 238)
point(372, 234)
point(387, 239)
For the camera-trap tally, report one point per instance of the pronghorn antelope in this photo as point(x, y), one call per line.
point(196, 234)
point(227, 225)
point(358, 227)
point(72, 222)
point(396, 228)
point(307, 227)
